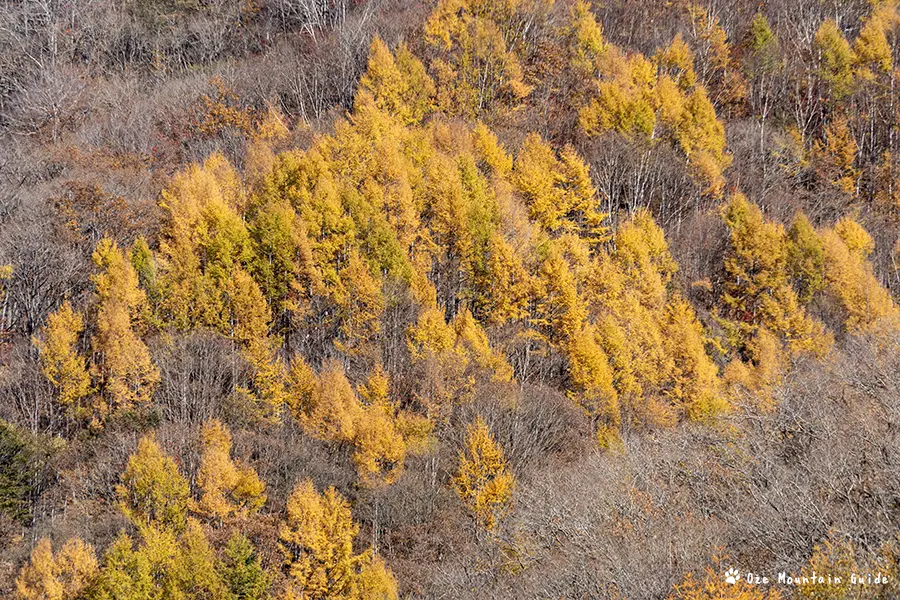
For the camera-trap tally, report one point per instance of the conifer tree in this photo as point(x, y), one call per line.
point(758, 291)
point(507, 286)
point(472, 338)
point(865, 304)
point(871, 48)
point(153, 492)
point(400, 85)
point(475, 64)
point(242, 572)
point(835, 158)
point(592, 380)
point(123, 368)
point(562, 310)
point(588, 50)
point(194, 568)
point(128, 574)
point(695, 387)
point(380, 447)
point(203, 241)
point(62, 364)
point(331, 409)
point(432, 343)
point(489, 150)
point(249, 326)
point(483, 480)
point(160, 566)
point(144, 264)
point(225, 488)
point(806, 258)
point(61, 576)
point(836, 59)
point(282, 260)
point(361, 303)
point(316, 539)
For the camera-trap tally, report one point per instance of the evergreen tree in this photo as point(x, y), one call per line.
point(242, 572)
point(18, 462)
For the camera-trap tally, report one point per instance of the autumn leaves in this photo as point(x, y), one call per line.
point(121, 374)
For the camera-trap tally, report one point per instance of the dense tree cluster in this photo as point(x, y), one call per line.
point(369, 300)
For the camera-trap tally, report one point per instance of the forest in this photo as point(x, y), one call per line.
point(382, 299)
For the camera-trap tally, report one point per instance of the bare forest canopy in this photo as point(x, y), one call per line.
point(374, 299)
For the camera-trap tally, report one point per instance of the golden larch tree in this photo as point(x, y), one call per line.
point(123, 369)
point(225, 487)
point(153, 491)
point(483, 480)
point(57, 576)
point(316, 539)
point(62, 364)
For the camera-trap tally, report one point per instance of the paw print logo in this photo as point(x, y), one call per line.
point(732, 575)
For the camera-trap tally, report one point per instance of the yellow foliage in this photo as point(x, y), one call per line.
point(482, 479)
point(835, 159)
point(376, 582)
point(203, 241)
point(806, 258)
point(62, 364)
point(153, 491)
point(678, 61)
point(592, 377)
point(400, 86)
point(472, 338)
point(866, 305)
point(757, 292)
point(489, 149)
point(250, 327)
point(695, 383)
point(164, 565)
point(766, 365)
point(123, 368)
point(509, 284)
point(62, 576)
point(836, 59)
point(334, 410)
point(361, 303)
point(316, 539)
point(561, 309)
point(872, 50)
point(380, 446)
point(474, 65)
point(624, 99)
point(433, 345)
point(857, 239)
point(225, 488)
point(653, 342)
point(587, 45)
point(638, 98)
point(837, 559)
